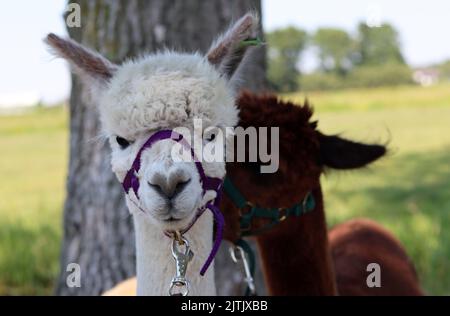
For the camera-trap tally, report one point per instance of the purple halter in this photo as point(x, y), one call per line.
point(131, 181)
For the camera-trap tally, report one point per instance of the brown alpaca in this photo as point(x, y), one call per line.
point(356, 243)
point(296, 254)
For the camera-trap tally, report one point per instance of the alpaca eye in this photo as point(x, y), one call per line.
point(209, 137)
point(123, 143)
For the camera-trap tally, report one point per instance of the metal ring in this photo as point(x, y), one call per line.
point(281, 216)
point(182, 285)
point(233, 250)
point(174, 245)
point(176, 235)
point(248, 205)
point(179, 237)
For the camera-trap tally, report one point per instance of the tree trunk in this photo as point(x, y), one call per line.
point(98, 232)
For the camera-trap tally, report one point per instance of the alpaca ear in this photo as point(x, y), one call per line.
point(87, 63)
point(227, 52)
point(339, 153)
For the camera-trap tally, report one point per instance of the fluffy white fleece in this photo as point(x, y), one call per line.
point(166, 90)
point(157, 91)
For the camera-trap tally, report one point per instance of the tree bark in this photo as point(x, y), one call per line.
point(98, 231)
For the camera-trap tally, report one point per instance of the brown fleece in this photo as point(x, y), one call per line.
point(359, 242)
point(296, 255)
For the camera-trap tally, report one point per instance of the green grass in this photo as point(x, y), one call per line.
point(32, 173)
point(408, 191)
point(369, 99)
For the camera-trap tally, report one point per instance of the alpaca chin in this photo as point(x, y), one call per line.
point(161, 222)
point(174, 225)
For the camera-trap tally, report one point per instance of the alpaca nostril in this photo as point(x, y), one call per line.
point(177, 188)
point(157, 187)
point(180, 186)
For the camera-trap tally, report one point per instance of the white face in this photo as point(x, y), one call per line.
point(170, 190)
point(140, 101)
point(160, 91)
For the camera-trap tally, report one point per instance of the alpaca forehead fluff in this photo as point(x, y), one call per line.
point(166, 91)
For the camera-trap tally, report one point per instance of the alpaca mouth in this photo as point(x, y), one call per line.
point(172, 219)
point(175, 221)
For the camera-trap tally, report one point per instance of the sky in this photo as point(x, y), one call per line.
point(28, 72)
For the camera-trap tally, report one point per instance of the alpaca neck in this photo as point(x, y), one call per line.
point(296, 257)
point(156, 265)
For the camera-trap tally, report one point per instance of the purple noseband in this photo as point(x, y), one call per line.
point(131, 181)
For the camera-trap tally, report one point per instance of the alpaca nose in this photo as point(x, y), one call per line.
point(169, 187)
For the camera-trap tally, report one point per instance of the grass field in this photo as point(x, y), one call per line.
point(408, 191)
point(33, 164)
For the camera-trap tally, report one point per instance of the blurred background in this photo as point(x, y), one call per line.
point(374, 70)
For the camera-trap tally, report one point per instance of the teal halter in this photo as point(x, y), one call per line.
point(276, 215)
point(249, 211)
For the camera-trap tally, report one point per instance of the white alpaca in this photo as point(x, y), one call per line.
point(143, 96)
